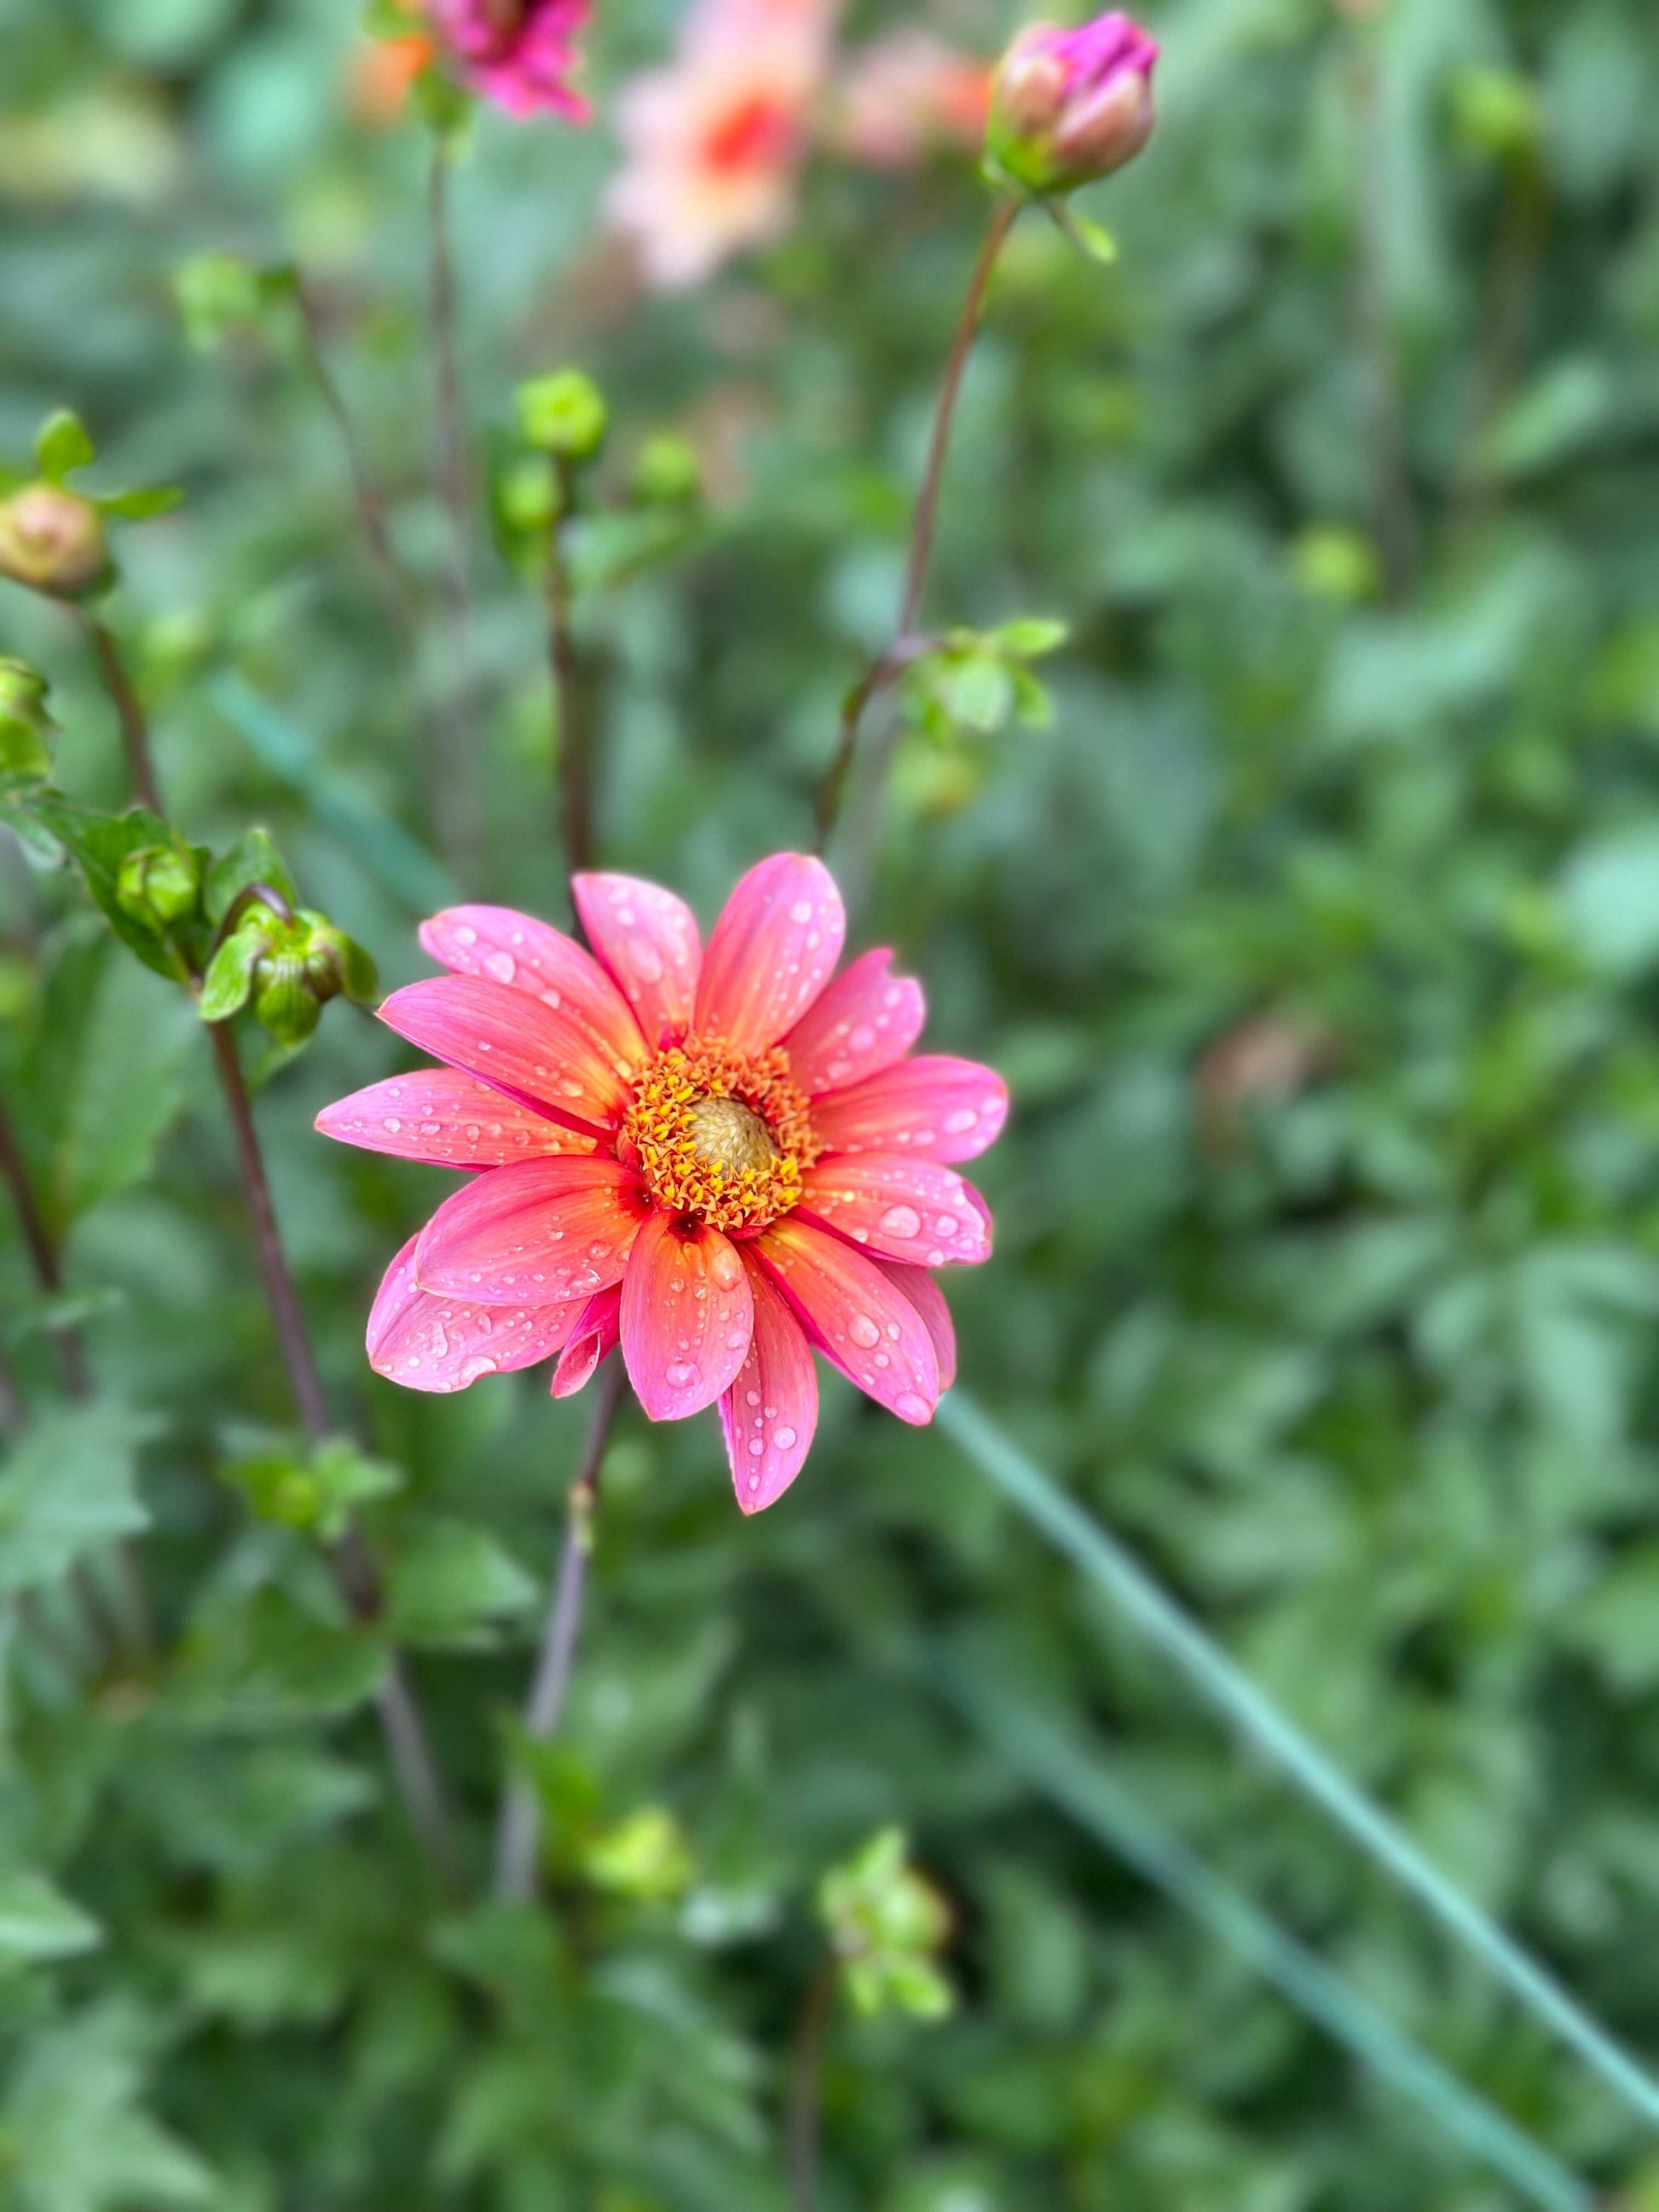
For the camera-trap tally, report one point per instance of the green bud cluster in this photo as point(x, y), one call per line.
point(886, 1923)
point(160, 886)
point(287, 966)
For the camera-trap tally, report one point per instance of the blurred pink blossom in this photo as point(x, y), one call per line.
point(518, 54)
point(906, 95)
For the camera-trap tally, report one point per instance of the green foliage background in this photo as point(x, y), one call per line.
point(1357, 1355)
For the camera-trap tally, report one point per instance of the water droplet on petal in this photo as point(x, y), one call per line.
point(681, 1374)
point(863, 1331)
point(784, 1439)
point(910, 1407)
point(901, 1221)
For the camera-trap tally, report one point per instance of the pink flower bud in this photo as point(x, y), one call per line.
point(518, 54)
point(53, 540)
point(1070, 106)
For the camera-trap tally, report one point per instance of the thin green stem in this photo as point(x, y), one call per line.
point(576, 770)
point(456, 769)
point(129, 712)
point(518, 1838)
point(805, 2118)
point(401, 1725)
point(924, 523)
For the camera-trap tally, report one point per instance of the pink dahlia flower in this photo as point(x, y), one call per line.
point(1070, 106)
point(718, 1156)
point(517, 53)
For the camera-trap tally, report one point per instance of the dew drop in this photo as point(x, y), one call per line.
point(784, 1438)
point(863, 1331)
point(501, 965)
point(959, 1123)
point(901, 1221)
point(681, 1374)
point(909, 1407)
point(801, 912)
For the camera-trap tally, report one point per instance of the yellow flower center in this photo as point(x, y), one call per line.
point(720, 1137)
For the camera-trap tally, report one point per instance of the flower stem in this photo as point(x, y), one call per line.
point(890, 662)
point(457, 793)
point(570, 729)
point(400, 1719)
point(518, 1838)
point(129, 712)
point(371, 511)
point(805, 2076)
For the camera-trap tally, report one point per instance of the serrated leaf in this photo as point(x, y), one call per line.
point(68, 1488)
point(62, 444)
point(37, 1922)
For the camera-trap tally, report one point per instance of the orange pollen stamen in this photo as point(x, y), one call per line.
point(720, 1137)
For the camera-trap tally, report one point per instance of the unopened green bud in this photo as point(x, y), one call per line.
point(284, 999)
point(563, 415)
point(1498, 113)
point(667, 471)
point(53, 540)
point(24, 724)
point(159, 885)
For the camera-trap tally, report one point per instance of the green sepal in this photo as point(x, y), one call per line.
point(139, 506)
point(62, 444)
point(229, 977)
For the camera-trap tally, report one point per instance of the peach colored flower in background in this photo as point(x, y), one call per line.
point(906, 95)
point(719, 1157)
point(381, 73)
point(714, 142)
point(517, 54)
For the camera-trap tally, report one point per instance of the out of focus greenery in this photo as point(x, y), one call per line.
point(1317, 931)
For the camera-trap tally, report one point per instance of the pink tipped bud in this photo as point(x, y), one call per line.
point(53, 541)
point(1070, 106)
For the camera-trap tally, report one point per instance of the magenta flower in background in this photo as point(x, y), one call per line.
point(519, 54)
point(1070, 106)
point(719, 1156)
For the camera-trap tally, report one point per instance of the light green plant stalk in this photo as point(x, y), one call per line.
point(1225, 1686)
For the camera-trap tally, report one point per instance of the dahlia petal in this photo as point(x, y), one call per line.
point(433, 1343)
point(774, 949)
point(853, 1312)
point(505, 947)
point(647, 940)
point(899, 1209)
point(932, 1107)
point(862, 1022)
point(539, 1232)
point(687, 1316)
point(539, 1054)
point(445, 1120)
point(594, 1338)
point(926, 1296)
point(771, 1410)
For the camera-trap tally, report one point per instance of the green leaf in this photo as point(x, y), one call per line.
point(451, 1581)
point(74, 2131)
point(63, 445)
point(140, 506)
point(1029, 637)
point(259, 1660)
point(98, 843)
point(253, 859)
point(37, 1922)
point(229, 976)
point(68, 1488)
point(128, 1087)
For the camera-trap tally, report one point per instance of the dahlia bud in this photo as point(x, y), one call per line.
point(666, 471)
point(1070, 106)
point(564, 414)
point(53, 540)
point(289, 965)
point(159, 885)
point(24, 723)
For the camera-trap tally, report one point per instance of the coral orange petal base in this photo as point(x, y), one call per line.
point(442, 1344)
point(533, 1051)
point(932, 1107)
point(446, 1120)
point(540, 1232)
point(772, 950)
point(771, 1411)
point(687, 1316)
point(855, 1316)
point(647, 940)
point(864, 1021)
point(505, 947)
